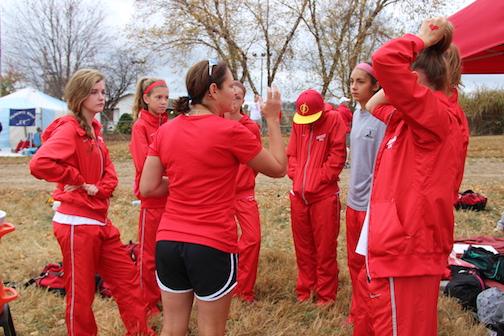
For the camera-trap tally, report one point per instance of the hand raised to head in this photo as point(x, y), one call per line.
point(433, 30)
point(273, 105)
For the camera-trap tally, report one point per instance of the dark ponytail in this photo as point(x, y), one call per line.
point(182, 105)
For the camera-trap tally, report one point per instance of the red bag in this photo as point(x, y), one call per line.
point(471, 201)
point(51, 278)
point(102, 287)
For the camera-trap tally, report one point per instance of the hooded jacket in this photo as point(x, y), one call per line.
point(69, 157)
point(411, 207)
point(142, 135)
point(317, 154)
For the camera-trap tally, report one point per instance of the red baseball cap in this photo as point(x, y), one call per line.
point(309, 107)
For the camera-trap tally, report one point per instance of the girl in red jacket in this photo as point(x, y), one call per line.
point(74, 155)
point(200, 153)
point(149, 110)
point(247, 211)
point(410, 228)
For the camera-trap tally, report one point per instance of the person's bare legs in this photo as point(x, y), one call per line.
point(176, 313)
point(213, 315)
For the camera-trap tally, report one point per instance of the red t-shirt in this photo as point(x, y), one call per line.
point(201, 155)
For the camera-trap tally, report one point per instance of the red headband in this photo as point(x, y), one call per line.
point(367, 68)
point(153, 85)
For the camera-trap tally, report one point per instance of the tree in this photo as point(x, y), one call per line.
point(121, 69)
point(348, 31)
point(8, 82)
point(231, 29)
point(49, 40)
point(125, 123)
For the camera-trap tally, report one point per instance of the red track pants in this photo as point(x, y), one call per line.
point(146, 263)
point(315, 229)
point(247, 215)
point(403, 306)
point(354, 221)
point(91, 249)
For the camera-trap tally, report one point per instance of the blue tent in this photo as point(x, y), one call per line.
point(23, 111)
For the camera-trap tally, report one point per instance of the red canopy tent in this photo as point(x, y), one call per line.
point(479, 34)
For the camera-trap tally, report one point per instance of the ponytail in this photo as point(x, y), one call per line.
point(433, 63)
point(182, 105)
point(454, 62)
point(198, 80)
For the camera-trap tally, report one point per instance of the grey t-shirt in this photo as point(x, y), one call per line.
point(365, 138)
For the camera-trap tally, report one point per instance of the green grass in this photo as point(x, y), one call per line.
point(32, 245)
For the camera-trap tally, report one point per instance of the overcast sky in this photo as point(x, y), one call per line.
point(122, 11)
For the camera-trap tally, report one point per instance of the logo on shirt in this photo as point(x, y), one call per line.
point(391, 142)
point(370, 133)
point(320, 137)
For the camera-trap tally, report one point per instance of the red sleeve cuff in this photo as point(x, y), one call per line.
point(418, 43)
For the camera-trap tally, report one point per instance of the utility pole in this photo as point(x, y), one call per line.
point(261, 57)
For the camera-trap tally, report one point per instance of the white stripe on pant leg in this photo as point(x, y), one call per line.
point(72, 290)
point(142, 239)
point(394, 307)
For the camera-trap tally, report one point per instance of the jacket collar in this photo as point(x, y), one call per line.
point(154, 120)
point(70, 119)
point(94, 123)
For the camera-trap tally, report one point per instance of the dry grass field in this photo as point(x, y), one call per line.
point(37, 312)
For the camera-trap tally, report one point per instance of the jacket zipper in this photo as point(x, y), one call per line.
point(101, 158)
point(305, 171)
point(101, 164)
point(368, 274)
point(366, 257)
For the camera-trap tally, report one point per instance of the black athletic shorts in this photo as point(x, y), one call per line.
point(184, 267)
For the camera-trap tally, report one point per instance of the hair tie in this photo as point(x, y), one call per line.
point(367, 68)
point(153, 85)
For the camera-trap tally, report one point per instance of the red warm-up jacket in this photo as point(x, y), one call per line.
point(69, 156)
point(142, 135)
point(317, 154)
point(245, 179)
point(346, 115)
point(411, 207)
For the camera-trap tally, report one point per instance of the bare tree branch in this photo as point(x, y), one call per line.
point(53, 39)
